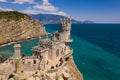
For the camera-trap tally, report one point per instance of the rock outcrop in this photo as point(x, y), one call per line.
point(76, 74)
point(15, 26)
point(51, 59)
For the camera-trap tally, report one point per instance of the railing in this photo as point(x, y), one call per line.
point(30, 57)
point(69, 53)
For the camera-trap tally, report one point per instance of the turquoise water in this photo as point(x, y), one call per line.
point(96, 50)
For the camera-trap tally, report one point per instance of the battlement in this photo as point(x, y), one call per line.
point(65, 28)
point(40, 49)
point(65, 21)
point(45, 43)
point(65, 24)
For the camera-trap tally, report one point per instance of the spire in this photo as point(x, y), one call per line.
point(61, 20)
point(67, 18)
point(64, 21)
point(70, 19)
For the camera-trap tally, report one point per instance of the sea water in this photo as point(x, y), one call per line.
point(96, 49)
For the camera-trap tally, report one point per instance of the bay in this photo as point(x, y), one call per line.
point(96, 49)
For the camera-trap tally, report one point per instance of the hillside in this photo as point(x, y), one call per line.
point(51, 18)
point(15, 26)
point(13, 15)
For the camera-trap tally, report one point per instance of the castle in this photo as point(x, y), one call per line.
point(54, 52)
point(49, 58)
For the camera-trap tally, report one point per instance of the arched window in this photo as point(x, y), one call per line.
point(62, 51)
point(57, 52)
point(34, 61)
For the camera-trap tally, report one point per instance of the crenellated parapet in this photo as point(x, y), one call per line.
point(65, 30)
point(65, 24)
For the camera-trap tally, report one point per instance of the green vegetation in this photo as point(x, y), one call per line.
point(56, 78)
point(15, 26)
point(51, 71)
point(17, 60)
point(13, 15)
point(15, 78)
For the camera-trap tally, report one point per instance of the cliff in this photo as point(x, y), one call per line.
point(15, 26)
point(68, 71)
point(76, 74)
point(50, 60)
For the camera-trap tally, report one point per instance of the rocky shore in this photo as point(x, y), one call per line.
point(51, 59)
point(12, 30)
point(77, 75)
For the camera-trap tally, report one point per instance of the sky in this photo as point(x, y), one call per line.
point(99, 11)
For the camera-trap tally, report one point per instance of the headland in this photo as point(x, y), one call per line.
point(51, 59)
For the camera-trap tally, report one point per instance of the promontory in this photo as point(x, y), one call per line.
point(16, 26)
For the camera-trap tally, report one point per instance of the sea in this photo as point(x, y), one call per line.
point(96, 49)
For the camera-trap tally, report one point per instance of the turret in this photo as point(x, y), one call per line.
point(65, 29)
point(65, 24)
point(17, 51)
point(17, 57)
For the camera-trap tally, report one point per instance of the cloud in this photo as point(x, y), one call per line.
point(35, 7)
point(3, 0)
point(6, 9)
point(29, 11)
point(47, 8)
point(32, 11)
point(23, 1)
point(46, 5)
point(58, 13)
point(61, 13)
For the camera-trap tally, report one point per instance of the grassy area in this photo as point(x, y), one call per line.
point(13, 15)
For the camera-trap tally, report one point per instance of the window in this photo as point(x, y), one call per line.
point(57, 52)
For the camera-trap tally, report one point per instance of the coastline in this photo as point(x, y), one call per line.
point(78, 75)
point(71, 62)
point(10, 43)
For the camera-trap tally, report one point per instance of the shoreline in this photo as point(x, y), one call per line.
point(7, 44)
point(75, 67)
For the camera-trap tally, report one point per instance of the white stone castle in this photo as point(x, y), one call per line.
point(48, 61)
point(56, 51)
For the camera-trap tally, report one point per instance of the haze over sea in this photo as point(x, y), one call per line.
point(96, 49)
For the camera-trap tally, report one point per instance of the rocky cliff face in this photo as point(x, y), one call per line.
point(75, 73)
point(15, 26)
point(68, 71)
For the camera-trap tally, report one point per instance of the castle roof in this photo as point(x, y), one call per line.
point(17, 45)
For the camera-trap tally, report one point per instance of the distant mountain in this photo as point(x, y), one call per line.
point(0, 10)
point(51, 18)
point(88, 22)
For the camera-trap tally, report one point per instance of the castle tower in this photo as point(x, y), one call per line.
point(17, 66)
point(65, 29)
point(17, 51)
